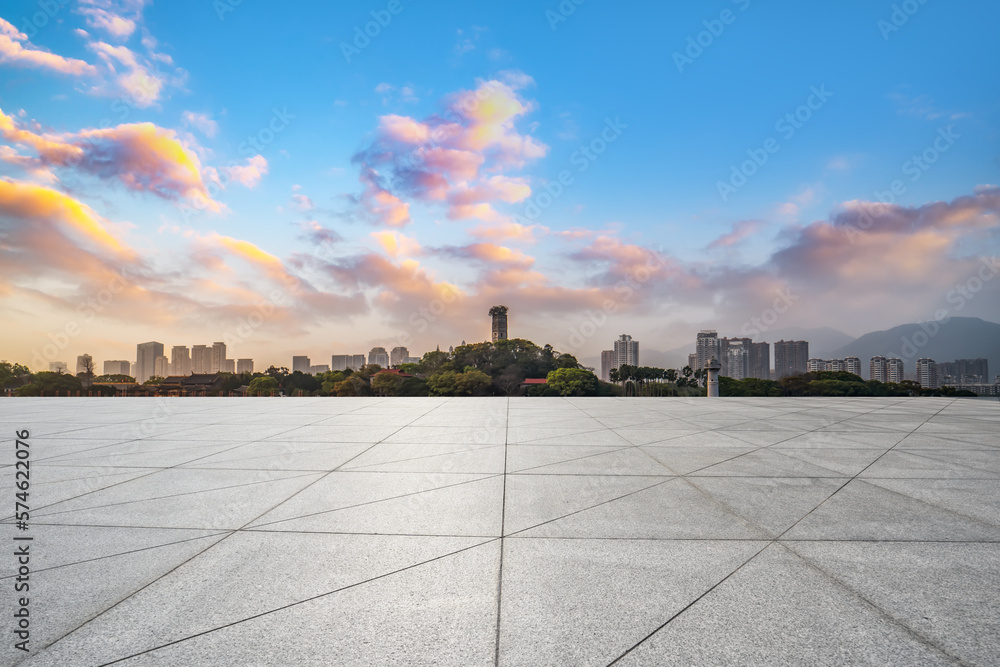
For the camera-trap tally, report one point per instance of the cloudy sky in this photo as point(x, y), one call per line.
point(326, 177)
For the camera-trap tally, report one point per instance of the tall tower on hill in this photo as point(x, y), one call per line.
point(499, 315)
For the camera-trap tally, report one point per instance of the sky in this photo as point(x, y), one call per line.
point(322, 178)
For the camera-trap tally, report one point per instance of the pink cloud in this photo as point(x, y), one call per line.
point(442, 157)
point(15, 49)
point(404, 129)
point(740, 231)
point(141, 156)
point(250, 174)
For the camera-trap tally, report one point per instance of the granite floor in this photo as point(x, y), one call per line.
point(491, 531)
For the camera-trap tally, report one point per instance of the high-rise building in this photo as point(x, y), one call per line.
point(319, 368)
point(161, 366)
point(894, 371)
point(201, 359)
point(180, 360)
point(499, 315)
point(878, 369)
point(693, 361)
point(341, 362)
point(301, 364)
point(740, 357)
point(607, 363)
point(626, 351)
point(760, 360)
point(145, 360)
point(707, 347)
point(814, 365)
point(83, 362)
point(378, 355)
point(790, 357)
point(968, 371)
point(398, 356)
point(117, 367)
point(927, 374)
point(228, 366)
point(244, 366)
point(853, 365)
point(218, 357)
point(735, 358)
point(836, 365)
point(58, 367)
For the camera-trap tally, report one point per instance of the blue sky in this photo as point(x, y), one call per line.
point(389, 245)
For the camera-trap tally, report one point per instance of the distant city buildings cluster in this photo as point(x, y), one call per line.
point(738, 358)
point(342, 362)
point(625, 353)
point(742, 358)
point(150, 361)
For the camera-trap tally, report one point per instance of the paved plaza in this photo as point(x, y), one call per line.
point(493, 531)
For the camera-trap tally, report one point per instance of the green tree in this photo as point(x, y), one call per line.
point(509, 381)
point(13, 374)
point(330, 380)
point(386, 384)
point(442, 383)
point(263, 386)
point(46, 383)
point(113, 378)
point(355, 385)
point(413, 387)
point(432, 362)
point(472, 383)
point(299, 381)
point(573, 382)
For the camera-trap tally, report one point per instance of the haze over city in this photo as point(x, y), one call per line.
point(320, 189)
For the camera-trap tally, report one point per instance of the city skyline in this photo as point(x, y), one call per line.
point(739, 358)
point(148, 191)
point(735, 358)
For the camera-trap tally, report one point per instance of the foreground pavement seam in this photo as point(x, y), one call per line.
point(503, 527)
point(181, 564)
point(771, 542)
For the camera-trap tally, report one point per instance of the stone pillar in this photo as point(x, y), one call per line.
point(713, 367)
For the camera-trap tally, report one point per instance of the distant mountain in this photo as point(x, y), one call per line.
point(957, 338)
point(823, 341)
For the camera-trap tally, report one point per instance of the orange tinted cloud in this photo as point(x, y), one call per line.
point(489, 253)
point(623, 261)
point(396, 244)
point(30, 202)
point(142, 156)
point(506, 231)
